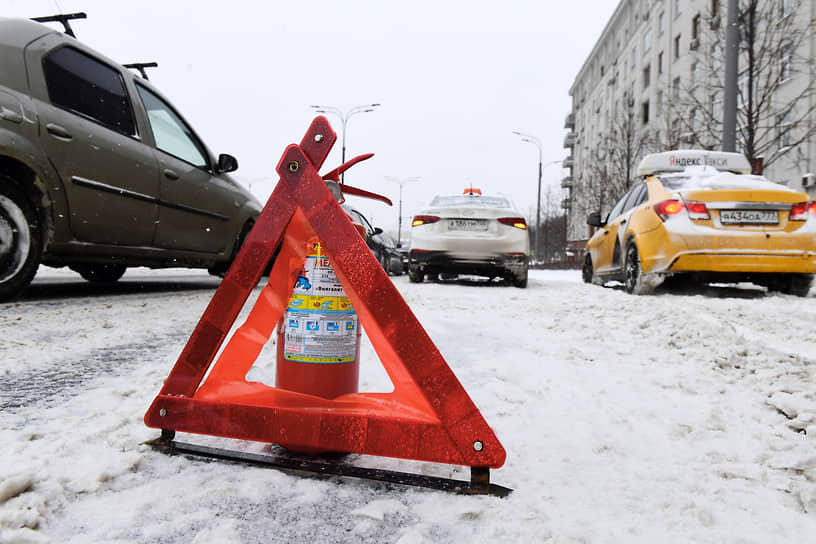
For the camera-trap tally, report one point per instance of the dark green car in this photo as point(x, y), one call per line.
point(99, 172)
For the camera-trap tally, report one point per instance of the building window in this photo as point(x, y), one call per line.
point(695, 27)
point(786, 62)
point(661, 24)
point(694, 74)
point(647, 75)
point(660, 62)
point(647, 40)
point(659, 103)
point(634, 57)
point(676, 8)
point(784, 126)
point(676, 88)
point(712, 105)
point(786, 7)
point(677, 47)
point(645, 112)
point(602, 70)
point(715, 8)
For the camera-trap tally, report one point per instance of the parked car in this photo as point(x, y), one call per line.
point(472, 234)
point(701, 216)
point(381, 244)
point(99, 171)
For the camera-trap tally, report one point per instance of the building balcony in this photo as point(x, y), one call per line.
point(569, 162)
point(567, 182)
point(569, 139)
point(569, 122)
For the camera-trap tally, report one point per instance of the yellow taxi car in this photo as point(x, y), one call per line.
point(701, 215)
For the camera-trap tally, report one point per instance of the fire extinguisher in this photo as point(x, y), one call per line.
point(319, 334)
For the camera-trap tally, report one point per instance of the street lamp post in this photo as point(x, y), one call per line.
point(529, 138)
point(402, 183)
point(344, 117)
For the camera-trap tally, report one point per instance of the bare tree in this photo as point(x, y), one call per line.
point(775, 108)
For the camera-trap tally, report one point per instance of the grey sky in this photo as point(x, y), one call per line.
point(454, 78)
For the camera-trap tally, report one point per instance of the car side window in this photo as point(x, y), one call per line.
point(363, 221)
point(172, 135)
point(618, 209)
point(81, 84)
point(637, 196)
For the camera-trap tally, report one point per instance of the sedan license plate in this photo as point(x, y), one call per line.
point(749, 217)
point(467, 224)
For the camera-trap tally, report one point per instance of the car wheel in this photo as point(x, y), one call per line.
point(416, 275)
point(632, 273)
point(792, 284)
point(99, 273)
point(20, 241)
point(587, 272)
point(520, 281)
point(383, 258)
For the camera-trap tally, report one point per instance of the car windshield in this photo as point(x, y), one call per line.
point(467, 200)
point(713, 180)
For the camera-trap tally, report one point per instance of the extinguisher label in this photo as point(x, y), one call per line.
point(320, 325)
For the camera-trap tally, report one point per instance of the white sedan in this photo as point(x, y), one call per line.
point(469, 234)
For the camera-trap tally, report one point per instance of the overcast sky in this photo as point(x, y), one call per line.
point(455, 79)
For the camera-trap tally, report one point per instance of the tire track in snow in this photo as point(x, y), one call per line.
point(67, 377)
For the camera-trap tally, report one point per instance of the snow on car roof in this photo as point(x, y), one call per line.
point(703, 177)
point(471, 200)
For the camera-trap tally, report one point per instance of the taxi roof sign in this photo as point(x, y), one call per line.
point(679, 160)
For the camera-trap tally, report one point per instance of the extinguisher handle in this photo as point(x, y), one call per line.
point(334, 176)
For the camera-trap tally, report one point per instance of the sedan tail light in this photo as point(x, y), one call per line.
point(697, 210)
point(518, 222)
point(800, 210)
point(424, 220)
point(667, 208)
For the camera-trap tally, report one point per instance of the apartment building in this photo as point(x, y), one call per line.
point(654, 82)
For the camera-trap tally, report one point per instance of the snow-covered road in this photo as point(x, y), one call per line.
point(678, 417)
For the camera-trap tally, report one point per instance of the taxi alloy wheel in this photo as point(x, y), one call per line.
point(633, 275)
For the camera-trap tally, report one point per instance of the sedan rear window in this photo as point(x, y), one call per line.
point(718, 180)
point(466, 200)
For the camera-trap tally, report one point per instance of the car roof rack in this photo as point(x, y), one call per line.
point(62, 18)
point(141, 67)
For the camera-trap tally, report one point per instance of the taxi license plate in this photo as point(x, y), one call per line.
point(467, 224)
point(749, 217)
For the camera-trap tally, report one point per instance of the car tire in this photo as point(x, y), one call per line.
point(792, 284)
point(20, 240)
point(520, 281)
point(632, 271)
point(416, 275)
point(587, 271)
point(383, 258)
point(99, 272)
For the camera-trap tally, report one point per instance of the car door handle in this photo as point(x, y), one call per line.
point(623, 222)
point(58, 131)
point(170, 174)
point(10, 115)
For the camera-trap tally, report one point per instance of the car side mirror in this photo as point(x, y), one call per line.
point(594, 220)
point(377, 230)
point(226, 163)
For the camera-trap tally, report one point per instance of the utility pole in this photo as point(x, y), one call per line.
point(729, 139)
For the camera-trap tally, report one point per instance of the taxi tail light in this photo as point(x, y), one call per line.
point(697, 210)
point(424, 220)
point(801, 210)
point(518, 222)
point(667, 208)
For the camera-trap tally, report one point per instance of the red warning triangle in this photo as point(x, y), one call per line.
point(428, 417)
